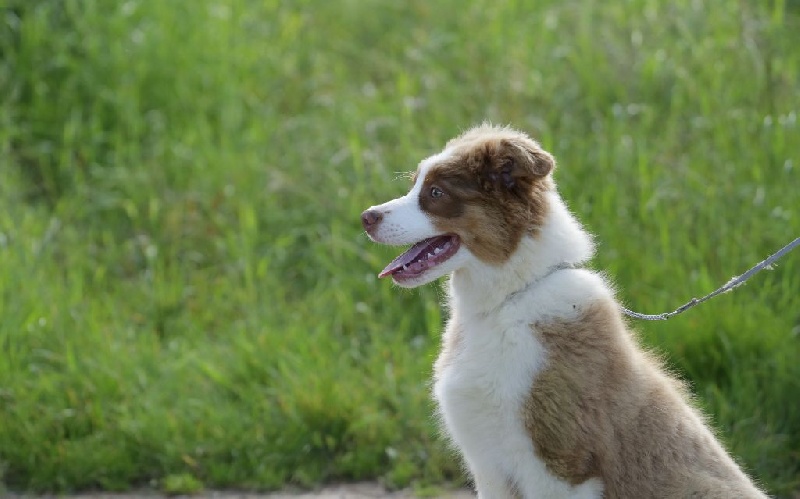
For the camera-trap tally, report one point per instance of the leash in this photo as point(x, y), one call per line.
point(733, 283)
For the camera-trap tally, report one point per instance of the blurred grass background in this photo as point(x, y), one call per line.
point(187, 295)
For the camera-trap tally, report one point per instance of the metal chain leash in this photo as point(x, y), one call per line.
point(733, 283)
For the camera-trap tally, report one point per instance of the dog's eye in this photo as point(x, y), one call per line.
point(436, 192)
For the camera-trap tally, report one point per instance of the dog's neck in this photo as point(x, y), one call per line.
point(561, 242)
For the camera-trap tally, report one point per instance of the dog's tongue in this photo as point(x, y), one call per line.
point(407, 257)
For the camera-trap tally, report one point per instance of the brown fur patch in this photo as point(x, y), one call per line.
point(603, 408)
point(492, 191)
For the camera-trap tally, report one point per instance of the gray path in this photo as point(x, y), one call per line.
point(354, 491)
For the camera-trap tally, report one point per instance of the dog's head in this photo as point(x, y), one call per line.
point(475, 200)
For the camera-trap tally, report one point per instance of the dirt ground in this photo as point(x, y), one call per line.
point(349, 491)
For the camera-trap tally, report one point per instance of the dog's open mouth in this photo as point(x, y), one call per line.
point(424, 255)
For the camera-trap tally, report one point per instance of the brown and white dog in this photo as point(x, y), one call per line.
point(539, 383)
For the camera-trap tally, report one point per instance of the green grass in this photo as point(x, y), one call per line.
point(187, 299)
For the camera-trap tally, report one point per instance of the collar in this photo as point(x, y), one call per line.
point(552, 270)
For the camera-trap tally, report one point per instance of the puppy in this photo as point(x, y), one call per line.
point(539, 383)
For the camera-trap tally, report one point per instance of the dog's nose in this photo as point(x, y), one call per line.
point(370, 219)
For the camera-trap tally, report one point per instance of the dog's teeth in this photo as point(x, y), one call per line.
point(437, 250)
point(430, 255)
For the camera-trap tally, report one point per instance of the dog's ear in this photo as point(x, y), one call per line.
point(521, 161)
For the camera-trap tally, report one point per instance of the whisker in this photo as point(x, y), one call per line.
point(403, 175)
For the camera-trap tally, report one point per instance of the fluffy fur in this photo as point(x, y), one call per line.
point(539, 383)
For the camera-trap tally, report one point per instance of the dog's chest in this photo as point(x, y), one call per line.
point(484, 377)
